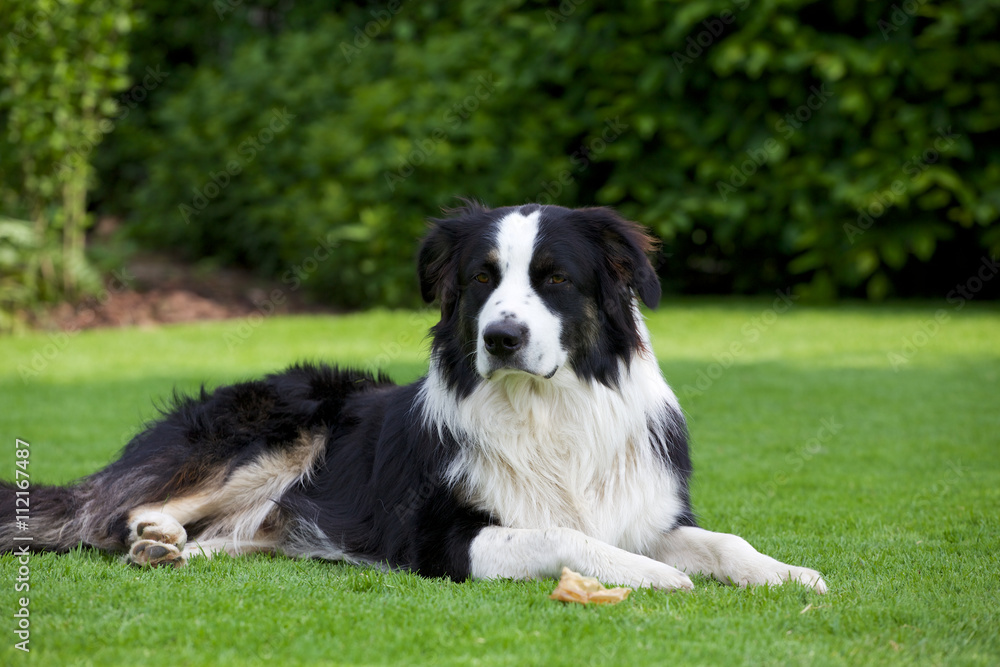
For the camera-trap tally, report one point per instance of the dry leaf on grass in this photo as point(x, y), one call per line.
point(574, 587)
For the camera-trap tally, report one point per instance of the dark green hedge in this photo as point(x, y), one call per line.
point(845, 147)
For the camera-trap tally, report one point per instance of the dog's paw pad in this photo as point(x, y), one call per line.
point(158, 527)
point(150, 553)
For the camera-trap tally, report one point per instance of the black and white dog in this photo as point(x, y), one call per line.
point(543, 435)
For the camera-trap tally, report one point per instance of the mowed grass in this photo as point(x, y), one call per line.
point(861, 441)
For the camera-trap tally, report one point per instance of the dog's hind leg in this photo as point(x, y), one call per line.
point(216, 545)
point(237, 512)
point(157, 537)
point(156, 533)
point(228, 521)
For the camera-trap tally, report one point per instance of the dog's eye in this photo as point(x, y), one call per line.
point(481, 277)
point(558, 279)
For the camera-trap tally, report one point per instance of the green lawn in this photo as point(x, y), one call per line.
point(861, 441)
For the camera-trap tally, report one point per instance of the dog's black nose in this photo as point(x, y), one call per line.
point(503, 339)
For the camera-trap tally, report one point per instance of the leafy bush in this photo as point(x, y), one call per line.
point(838, 146)
point(19, 247)
point(59, 62)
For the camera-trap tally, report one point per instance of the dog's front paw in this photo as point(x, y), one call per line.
point(669, 581)
point(778, 573)
point(653, 574)
point(810, 578)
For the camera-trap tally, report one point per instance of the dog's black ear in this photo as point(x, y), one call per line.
point(438, 260)
point(436, 265)
point(627, 248)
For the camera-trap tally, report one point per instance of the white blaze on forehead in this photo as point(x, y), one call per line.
point(516, 300)
point(516, 235)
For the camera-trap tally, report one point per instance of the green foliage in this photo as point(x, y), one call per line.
point(59, 62)
point(838, 146)
point(19, 246)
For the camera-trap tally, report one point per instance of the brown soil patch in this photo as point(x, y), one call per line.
point(157, 289)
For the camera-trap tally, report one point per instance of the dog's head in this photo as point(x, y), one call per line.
point(533, 289)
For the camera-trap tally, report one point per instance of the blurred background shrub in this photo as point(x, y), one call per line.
point(847, 148)
point(60, 63)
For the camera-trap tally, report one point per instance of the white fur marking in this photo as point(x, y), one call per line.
point(730, 559)
point(533, 553)
point(563, 452)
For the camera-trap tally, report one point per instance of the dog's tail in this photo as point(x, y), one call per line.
point(40, 518)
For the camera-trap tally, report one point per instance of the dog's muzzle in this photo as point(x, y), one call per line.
point(504, 339)
point(505, 346)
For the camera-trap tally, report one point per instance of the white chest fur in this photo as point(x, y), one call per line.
point(563, 453)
